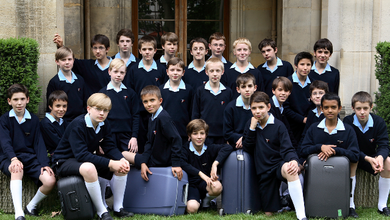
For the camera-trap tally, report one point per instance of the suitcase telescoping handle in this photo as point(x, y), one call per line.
point(185, 193)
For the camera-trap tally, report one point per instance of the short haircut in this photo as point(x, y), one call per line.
point(198, 40)
point(175, 61)
point(217, 36)
point(15, 88)
point(361, 97)
point(214, 60)
point(125, 32)
point(151, 90)
point(116, 63)
point(147, 39)
point(63, 52)
point(245, 78)
point(197, 125)
point(267, 42)
point(286, 83)
point(259, 96)
point(99, 100)
point(323, 43)
point(169, 36)
point(55, 96)
point(303, 55)
point(319, 84)
point(242, 40)
point(100, 39)
point(329, 97)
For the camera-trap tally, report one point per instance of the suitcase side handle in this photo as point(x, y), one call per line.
point(185, 193)
point(74, 201)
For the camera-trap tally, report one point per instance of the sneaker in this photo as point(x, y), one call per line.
point(385, 211)
point(352, 213)
point(105, 216)
point(123, 213)
point(34, 212)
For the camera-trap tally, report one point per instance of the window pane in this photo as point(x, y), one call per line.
point(160, 9)
point(202, 29)
point(205, 9)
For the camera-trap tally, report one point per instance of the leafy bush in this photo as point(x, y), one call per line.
point(19, 63)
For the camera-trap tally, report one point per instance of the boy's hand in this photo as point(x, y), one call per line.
point(375, 163)
point(47, 169)
point(322, 156)
point(239, 143)
point(379, 160)
point(207, 179)
point(16, 166)
point(254, 122)
point(101, 152)
point(120, 166)
point(133, 145)
point(144, 171)
point(292, 167)
point(328, 150)
point(58, 40)
point(304, 120)
point(177, 172)
point(213, 172)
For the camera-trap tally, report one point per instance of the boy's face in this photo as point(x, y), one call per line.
point(247, 89)
point(170, 48)
point(215, 72)
point(66, 63)
point(304, 67)
point(151, 103)
point(97, 114)
point(316, 96)
point(198, 138)
point(147, 51)
point(269, 53)
point(362, 111)
point(198, 51)
point(242, 52)
point(281, 94)
point(99, 51)
point(175, 72)
point(18, 102)
point(260, 110)
point(117, 75)
point(322, 55)
point(331, 109)
point(125, 44)
point(58, 109)
point(217, 47)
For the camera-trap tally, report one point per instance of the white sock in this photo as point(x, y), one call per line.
point(96, 197)
point(296, 195)
point(384, 187)
point(118, 187)
point(351, 199)
point(16, 192)
point(103, 185)
point(39, 196)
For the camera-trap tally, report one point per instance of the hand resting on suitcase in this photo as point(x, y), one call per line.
point(177, 172)
point(326, 151)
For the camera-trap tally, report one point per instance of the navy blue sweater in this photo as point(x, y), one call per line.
point(332, 78)
point(311, 119)
point(195, 78)
point(373, 142)
point(164, 143)
point(52, 133)
point(230, 76)
point(285, 70)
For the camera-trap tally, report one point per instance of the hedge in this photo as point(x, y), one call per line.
point(19, 64)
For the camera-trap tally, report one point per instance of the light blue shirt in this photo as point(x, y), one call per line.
point(162, 59)
point(26, 116)
point(296, 80)
point(131, 58)
point(192, 148)
point(327, 68)
point(316, 113)
point(276, 103)
point(208, 87)
point(271, 120)
point(110, 86)
point(278, 63)
point(62, 77)
point(339, 126)
point(157, 113)
point(153, 67)
point(182, 85)
point(100, 67)
point(235, 67)
point(370, 123)
point(191, 66)
point(240, 103)
point(88, 122)
point(52, 119)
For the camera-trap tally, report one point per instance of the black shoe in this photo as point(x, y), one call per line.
point(123, 213)
point(385, 211)
point(20, 218)
point(352, 213)
point(105, 216)
point(34, 212)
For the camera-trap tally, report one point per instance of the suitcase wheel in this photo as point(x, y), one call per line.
point(248, 212)
point(221, 212)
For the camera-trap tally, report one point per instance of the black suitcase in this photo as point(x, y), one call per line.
point(75, 200)
point(327, 187)
point(239, 181)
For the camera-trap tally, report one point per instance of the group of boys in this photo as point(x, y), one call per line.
point(278, 115)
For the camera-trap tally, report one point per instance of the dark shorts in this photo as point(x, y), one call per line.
point(197, 191)
point(31, 168)
point(71, 167)
point(269, 184)
point(366, 166)
point(122, 140)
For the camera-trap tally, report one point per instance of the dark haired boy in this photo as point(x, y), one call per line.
point(267, 139)
point(373, 140)
point(125, 41)
point(23, 152)
point(274, 66)
point(217, 45)
point(321, 70)
point(169, 44)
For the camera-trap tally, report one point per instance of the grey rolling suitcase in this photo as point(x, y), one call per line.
point(327, 187)
point(239, 181)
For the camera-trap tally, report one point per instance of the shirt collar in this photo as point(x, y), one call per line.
point(316, 113)
point(192, 148)
point(26, 115)
point(339, 126)
point(52, 119)
point(370, 123)
point(62, 77)
point(271, 120)
point(208, 87)
point(192, 66)
point(159, 110)
point(240, 103)
point(276, 103)
point(235, 67)
point(162, 59)
point(327, 68)
point(110, 86)
point(88, 122)
point(153, 67)
point(131, 59)
point(100, 67)
point(182, 85)
point(278, 63)
point(296, 80)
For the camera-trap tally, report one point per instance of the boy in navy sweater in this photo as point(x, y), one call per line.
point(274, 66)
point(200, 161)
point(276, 160)
point(195, 72)
point(217, 45)
point(242, 49)
point(72, 84)
point(177, 96)
point(169, 44)
point(164, 142)
point(23, 151)
point(75, 155)
point(373, 140)
point(211, 99)
point(321, 70)
point(125, 41)
point(53, 125)
point(237, 112)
